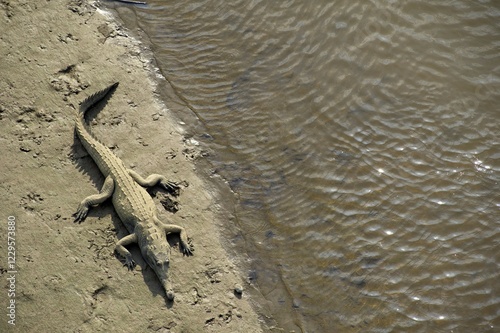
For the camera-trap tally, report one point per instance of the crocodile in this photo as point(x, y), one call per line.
point(132, 203)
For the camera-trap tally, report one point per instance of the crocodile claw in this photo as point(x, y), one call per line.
point(170, 187)
point(80, 214)
point(187, 249)
point(130, 263)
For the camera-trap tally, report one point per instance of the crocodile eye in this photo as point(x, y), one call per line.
point(160, 263)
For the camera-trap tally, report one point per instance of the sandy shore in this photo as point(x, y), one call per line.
point(54, 53)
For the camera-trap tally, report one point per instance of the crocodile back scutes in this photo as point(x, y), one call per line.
point(131, 201)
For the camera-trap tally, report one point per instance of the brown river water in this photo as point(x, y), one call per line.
point(361, 140)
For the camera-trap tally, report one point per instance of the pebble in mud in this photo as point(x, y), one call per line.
point(238, 289)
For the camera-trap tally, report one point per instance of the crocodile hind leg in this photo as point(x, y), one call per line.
point(95, 199)
point(122, 250)
point(155, 179)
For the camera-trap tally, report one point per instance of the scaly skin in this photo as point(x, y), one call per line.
point(133, 204)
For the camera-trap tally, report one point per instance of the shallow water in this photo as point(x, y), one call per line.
point(362, 142)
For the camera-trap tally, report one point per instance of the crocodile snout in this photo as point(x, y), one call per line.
point(170, 295)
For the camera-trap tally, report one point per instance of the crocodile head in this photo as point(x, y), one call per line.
point(157, 258)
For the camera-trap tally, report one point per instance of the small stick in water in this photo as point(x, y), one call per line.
point(132, 2)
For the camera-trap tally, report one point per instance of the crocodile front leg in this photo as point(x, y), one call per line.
point(155, 179)
point(122, 250)
point(95, 199)
point(187, 248)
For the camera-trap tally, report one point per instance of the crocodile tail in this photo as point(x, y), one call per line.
point(96, 98)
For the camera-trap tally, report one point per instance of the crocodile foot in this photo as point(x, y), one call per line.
point(130, 263)
point(171, 187)
point(187, 248)
point(81, 213)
